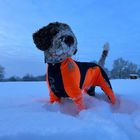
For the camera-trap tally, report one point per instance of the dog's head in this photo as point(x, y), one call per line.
point(57, 41)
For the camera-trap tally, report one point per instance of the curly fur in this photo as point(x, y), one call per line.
point(44, 36)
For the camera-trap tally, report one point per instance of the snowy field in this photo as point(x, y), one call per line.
point(26, 115)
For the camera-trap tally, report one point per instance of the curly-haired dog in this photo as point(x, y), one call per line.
point(66, 77)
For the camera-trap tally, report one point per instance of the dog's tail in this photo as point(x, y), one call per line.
point(105, 52)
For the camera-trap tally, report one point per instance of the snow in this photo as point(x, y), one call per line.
point(26, 114)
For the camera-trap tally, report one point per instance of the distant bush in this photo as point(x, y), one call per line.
point(13, 78)
point(29, 77)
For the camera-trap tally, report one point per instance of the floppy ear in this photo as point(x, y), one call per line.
point(42, 39)
point(44, 36)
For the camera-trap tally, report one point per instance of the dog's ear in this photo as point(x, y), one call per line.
point(44, 36)
point(41, 39)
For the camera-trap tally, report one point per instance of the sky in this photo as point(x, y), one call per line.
point(94, 22)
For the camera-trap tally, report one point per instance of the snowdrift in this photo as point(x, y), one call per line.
point(26, 114)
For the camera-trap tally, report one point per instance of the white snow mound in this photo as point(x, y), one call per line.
point(26, 114)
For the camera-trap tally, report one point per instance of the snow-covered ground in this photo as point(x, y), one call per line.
point(25, 114)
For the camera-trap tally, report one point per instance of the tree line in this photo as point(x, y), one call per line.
point(27, 77)
point(121, 70)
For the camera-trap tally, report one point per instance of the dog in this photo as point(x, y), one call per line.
point(67, 78)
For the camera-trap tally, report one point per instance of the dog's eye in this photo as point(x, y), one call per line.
point(69, 40)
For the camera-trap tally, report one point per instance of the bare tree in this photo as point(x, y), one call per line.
point(1, 73)
point(123, 69)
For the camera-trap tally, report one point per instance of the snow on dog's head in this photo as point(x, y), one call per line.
point(57, 41)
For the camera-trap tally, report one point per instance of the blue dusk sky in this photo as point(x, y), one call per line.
point(94, 22)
